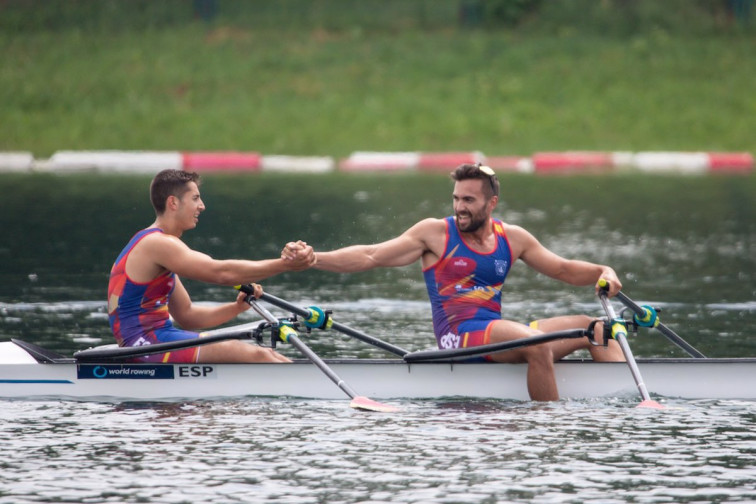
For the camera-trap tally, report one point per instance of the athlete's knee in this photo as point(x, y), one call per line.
point(262, 354)
point(583, 321)
point(539, 354)
point(599, 334)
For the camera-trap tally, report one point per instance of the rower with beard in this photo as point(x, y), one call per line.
point(465, 259)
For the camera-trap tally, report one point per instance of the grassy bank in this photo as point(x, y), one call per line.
point(310, 89)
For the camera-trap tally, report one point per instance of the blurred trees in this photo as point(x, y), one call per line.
point(620, 17)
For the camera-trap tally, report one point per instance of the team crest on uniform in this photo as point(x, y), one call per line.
point(501, 267)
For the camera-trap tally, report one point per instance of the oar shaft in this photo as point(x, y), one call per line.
point(292, 338)
point(303, 312)
point(633, 367)
point(290, 335)
point(315, 359)
point(622, 340)
point(666, 331)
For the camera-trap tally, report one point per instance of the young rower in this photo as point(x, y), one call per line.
point(465, 259)
point(145, 288)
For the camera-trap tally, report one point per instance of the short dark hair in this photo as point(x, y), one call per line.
point(170, 183)
point(478, 171)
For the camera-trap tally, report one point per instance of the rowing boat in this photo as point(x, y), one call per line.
point(26, 376)
point(106, 373)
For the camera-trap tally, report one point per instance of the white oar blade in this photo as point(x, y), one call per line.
point(365, 403)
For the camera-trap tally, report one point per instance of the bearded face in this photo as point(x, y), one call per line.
point(471, 208)
point(469, 222)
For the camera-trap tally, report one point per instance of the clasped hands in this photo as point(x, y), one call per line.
point(298, 255)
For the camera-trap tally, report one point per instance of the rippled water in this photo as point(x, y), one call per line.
point(688, 246)
point(321, 451)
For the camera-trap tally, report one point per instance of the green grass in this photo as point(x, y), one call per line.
point(319, 91)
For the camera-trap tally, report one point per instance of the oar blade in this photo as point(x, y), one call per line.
point(367, 404)
point(651, 404)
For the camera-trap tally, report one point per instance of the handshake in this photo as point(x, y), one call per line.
point(298, 256)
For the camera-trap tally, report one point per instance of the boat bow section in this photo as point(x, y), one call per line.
point(13, 353)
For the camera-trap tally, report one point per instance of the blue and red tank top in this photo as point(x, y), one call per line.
point(137, 310)
point(465, 284)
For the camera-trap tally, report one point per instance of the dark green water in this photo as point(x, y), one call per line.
point(685, 244)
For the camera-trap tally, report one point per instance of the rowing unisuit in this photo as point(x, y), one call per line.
point(464, 287)
point(138, 312)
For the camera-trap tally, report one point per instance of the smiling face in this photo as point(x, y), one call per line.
point(189, 206)
point(471, 208)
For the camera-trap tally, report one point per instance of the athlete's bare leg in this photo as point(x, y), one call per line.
point(234, 351)
point(540, 358)
point(564, 347)
point(541, 381)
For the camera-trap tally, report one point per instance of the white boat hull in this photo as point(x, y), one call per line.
point(377, 379)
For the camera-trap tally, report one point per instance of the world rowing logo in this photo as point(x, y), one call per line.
point(125, 371)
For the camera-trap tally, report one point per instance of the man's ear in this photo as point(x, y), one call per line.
point(493, 201)
point(172, 202)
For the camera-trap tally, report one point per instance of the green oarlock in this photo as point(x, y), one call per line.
point(317, 319)
point(649, 318)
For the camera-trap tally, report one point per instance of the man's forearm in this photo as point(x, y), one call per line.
point(347, 260)
point(585, 273)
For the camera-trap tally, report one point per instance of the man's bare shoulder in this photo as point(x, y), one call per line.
point(429, 235)
point(515, 231)
point(427, 230)
point(161, 243)
point(519, 238)
point(430, 224)
point(158, 237)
